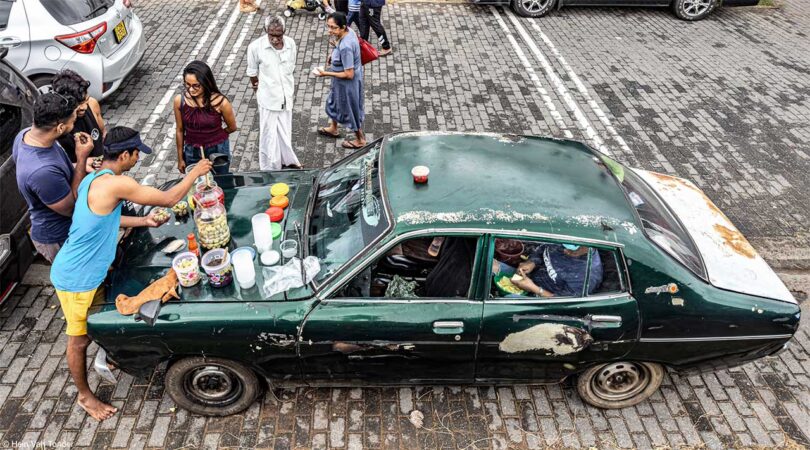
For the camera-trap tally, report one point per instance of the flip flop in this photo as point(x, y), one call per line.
point(351, 144)
point(323, 132)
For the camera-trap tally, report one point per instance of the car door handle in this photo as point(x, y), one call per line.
point(448, 327)
point(10, 42)
point(614, 320)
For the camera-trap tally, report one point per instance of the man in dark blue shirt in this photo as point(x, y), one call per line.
point(45, 176)
point(554, 270)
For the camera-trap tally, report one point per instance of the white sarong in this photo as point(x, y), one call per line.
point(275, 140)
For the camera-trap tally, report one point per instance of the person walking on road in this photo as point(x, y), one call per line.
point(345, 104)
point(199, 114)
point(354, 13)
point(247, 6)
point(45, 176)
point(88, 113)
point(371, 17)
point(81, 266)
point(271, 67)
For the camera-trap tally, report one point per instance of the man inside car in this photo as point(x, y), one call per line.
point(554, 270)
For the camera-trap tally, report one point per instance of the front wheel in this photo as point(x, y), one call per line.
point(212, 386)
point(619, 384)
point(532, 8)
point(692, 10)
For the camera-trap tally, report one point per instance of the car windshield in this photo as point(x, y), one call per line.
point(348, 212)
point(656, 219)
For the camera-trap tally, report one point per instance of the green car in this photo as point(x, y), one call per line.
point(519, 260)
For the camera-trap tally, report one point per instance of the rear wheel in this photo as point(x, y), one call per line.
point(532, 8)
point(212, 386)
point(619, 384)
point(43, 83)
point(694, 9)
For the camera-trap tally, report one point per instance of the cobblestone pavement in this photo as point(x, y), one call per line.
point(723, 102)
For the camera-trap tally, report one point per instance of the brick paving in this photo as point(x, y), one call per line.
point(723, 102)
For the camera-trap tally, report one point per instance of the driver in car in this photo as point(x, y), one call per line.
point(555, 270)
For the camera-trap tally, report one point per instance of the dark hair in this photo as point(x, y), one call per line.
point(70, 83)
point(52, 109)
point(339, 18)
point(206, 79)
point(115, 135)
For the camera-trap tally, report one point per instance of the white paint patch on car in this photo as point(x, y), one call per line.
point(731, 261)
point(555, 338)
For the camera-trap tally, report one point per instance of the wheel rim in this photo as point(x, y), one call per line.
point(213, 385)
point(45, 89)
point(694, 8)
point(534, 6)
point(620, 381)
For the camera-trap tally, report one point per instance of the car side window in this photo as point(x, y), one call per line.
point(425, 267)
point(10, 118)
point(611, 281)
point(5, 12)
point(530, 268)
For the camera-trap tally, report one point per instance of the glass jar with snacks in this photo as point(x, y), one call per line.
point(212, 222)
point(204, 187)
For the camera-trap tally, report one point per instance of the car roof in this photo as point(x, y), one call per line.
point(506, 182)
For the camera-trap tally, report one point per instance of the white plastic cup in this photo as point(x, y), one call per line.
point(243, 269)
point(289, 248)
point(262, 234)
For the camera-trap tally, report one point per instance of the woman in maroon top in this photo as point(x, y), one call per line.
point(200, 113)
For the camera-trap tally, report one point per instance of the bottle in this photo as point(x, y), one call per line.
point(192, 245)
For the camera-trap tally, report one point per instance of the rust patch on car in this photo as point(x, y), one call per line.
point(735, 240)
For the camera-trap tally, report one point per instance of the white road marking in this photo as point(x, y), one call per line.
point(559, 85)
point(583, 90)
point(243, 33)
point(552, 109)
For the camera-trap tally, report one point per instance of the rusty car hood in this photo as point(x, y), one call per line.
point(731, 262)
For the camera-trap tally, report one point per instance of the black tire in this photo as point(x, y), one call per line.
point(43, 83)
point(533, 8)
point(692, 10)
point(619, 384)
point(212, 386)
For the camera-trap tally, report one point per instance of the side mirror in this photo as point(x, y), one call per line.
point(148, 312)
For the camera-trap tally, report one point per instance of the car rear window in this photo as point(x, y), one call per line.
point(658, 222)
point(70, 12)
point(5, 11)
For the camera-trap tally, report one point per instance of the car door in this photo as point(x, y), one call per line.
point(545, 339)
point(353, 335)
point(14, 33)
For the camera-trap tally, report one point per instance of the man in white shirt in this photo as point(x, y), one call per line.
point(270, 66)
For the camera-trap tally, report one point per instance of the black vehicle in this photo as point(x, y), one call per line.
point(17, 96)
point(684, 9)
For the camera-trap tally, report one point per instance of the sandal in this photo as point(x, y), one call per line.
point(352, 144)
point(323, 132)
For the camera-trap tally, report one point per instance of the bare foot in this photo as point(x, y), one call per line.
point(96, 408)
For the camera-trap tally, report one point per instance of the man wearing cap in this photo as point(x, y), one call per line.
point(555, 270)
point(82, 264)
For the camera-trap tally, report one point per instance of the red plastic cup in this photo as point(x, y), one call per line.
point(420, 174)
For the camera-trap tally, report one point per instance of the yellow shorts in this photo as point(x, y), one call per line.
point(75, 306)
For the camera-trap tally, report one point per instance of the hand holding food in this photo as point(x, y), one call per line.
point(157, 217)
point(84, 144)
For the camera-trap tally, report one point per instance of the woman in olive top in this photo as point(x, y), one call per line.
point(200, 113)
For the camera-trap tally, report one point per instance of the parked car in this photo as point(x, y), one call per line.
point(17, 95)
point(101, 40)
point(677, 285)
point(683, 9)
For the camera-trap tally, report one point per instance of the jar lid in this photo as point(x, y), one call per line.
point(280, 200)
point(275, 230)
point(275, 213)
point(279, 189)
point(270, 258)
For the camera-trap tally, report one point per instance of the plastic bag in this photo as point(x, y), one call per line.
point(401, 288)
point(283, 278)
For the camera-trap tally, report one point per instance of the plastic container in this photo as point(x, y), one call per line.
point(262, 234)
point(243, 269)
point(506, 280)
point(280, 201)
point(420, 174)
point(212, 222)
point(289, 248)
point(270, 258)
point(508, 251)
point(275, 230)
point(187, 268)
point(217, 266)
point(275, 213)
point(279, 189)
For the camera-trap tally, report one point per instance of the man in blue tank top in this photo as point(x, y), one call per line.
point(81, 265)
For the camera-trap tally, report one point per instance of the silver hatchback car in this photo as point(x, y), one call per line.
point(102, 40)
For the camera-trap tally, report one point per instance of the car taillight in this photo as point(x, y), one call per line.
point(83, 41)
point(128, 3)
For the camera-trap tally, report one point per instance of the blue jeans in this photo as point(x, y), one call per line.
point(353, 17)
point(191, 155)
